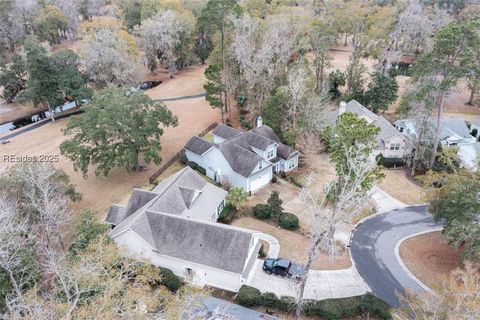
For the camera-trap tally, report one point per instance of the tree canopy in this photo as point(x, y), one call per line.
point(117, 128)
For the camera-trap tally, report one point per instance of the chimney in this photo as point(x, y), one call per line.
point(259, 121)
point(343, 105)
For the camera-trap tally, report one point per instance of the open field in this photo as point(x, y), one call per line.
point(430, 258)
point(399, 184)
point(294, 246)
point(99, 193)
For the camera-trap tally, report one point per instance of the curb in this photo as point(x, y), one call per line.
point(404, 267)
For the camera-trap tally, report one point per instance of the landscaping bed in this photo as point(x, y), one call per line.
point(430, 258)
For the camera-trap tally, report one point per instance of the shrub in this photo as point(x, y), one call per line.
point(275, 204)
point(288, 221)
point(202, 170)
point(87, 228)
point(269, 299)
point(475, 132)
point(393, 162)
point(169, 280)
point(262, 211)
point(369, 303)
point(296, 181)
point(225, 214)
point(274, 179)
point(286, 304)
point(261, 253)
point(183, 159)
point(249, 296)
point(335, 309)
point(192, 164)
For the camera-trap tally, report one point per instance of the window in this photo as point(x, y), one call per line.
point(270, 154)
point(291, 164)
point(260, 165)
point(395, 146)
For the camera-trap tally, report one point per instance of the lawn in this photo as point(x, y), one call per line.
point(430, 258)
point(293, 245)
point(194, 115)
point(399, 184)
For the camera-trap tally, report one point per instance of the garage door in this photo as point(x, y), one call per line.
point(260, 181)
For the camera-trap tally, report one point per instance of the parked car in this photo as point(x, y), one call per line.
point(283, 267)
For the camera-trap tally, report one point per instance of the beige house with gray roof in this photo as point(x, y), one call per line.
point(174, 227)
point(390, 142)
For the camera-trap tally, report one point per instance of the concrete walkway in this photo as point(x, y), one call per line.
point(385, 202)
point(273, 244)
point(321, 284)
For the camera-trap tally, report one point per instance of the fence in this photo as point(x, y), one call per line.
point(177, 156)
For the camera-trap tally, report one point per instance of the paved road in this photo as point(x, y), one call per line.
point(373, 250)
point(44, 122)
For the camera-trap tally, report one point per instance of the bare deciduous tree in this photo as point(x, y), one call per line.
point(14, 239)
point(108, 59)
point(348, 195)
point(159, 36)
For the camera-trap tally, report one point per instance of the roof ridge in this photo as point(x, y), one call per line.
point(173, 180)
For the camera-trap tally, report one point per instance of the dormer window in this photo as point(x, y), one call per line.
point(270, 154)
point(260, 165)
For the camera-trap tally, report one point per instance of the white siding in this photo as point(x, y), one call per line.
point(400, 153)
point(135, 247)
point(215, 160)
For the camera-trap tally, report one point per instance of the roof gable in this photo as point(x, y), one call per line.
point(226, 132)
point(198, 146)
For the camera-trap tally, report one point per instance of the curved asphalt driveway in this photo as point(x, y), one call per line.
point(373, 250)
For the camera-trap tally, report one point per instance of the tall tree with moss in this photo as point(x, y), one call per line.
point(453, 46)
point(13, 78)
point(50, 23)
point(116, 130)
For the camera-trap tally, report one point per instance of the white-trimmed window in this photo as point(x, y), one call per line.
point(291, 164)
point(260, 165)
point(270, 153)
point(395, 146)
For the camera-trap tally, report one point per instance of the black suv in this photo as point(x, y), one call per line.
point(282, 267)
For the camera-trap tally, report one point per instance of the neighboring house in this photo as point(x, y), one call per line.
point(173, 227)
point(390, 142)
point(453, 132)
point(244, 159)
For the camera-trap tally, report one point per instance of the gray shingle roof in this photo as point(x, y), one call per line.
point(454, 125)
point(184, 193)
point(198, 146)
point(283, 151)
point(118, 213)
point(225, 132)
point(243, 161)
point(211, 244)
point(387, 130)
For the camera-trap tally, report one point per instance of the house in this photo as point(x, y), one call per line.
point(173, 227)
point(390, 142)
point(453, 132)
point(244, 159)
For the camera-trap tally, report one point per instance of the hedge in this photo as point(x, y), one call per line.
point(192, 164)
point(224, 215)
point(262, 211)
point(330, 309)
point(288, 221)
point(169, 279)
point(202, 170)
point(251, 297)
point(336, 309)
